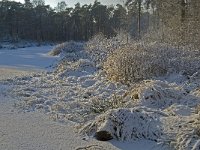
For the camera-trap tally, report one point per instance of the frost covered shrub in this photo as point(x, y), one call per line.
point(65, 47)
point(127, 124)
point(56, 50)
point(139, 61)
point(99, 47)
point(133, 63)
point(72, 54)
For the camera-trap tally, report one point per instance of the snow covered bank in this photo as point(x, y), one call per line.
point(79, 90)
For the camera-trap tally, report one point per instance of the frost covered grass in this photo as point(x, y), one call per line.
point(181, 132)
point(73, 98)
point(160, 95)
point(129, 91)
point(71, 91)
point(127, 124)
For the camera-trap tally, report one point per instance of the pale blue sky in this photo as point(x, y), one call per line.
point(71, 3)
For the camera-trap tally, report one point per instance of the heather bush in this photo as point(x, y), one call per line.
point(134, 62)
point(65, 47)
point(100, 47)
point(139, 61)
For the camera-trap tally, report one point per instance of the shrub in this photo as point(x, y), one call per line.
point(65, 47)
point(99, 47)
point(133, 63)
point(138, 61)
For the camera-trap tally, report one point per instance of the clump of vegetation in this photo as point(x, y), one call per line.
point(63, 47)
point(57, 49)
point(126, 124)
point(197, 109)
point(197, 128)
point(99, 47)
point(134, 63)
point(138, 61)
point(101, 106)
point(188, 136)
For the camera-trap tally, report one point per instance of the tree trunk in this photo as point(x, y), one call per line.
point(139, 18)
point(183, 10)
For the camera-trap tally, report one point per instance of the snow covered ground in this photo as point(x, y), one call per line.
point(35, 130)
point(152, 114)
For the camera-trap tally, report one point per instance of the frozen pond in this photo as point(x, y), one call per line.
point(27, 58)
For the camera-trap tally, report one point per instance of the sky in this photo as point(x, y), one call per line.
point(71, 3)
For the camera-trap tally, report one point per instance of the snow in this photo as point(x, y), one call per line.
point(26, 58)
point(128, 124)
point(157, 113)
point(35, 131)
point(139, 145)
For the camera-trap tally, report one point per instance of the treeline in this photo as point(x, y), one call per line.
point(36, 21)
point(172, 21)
